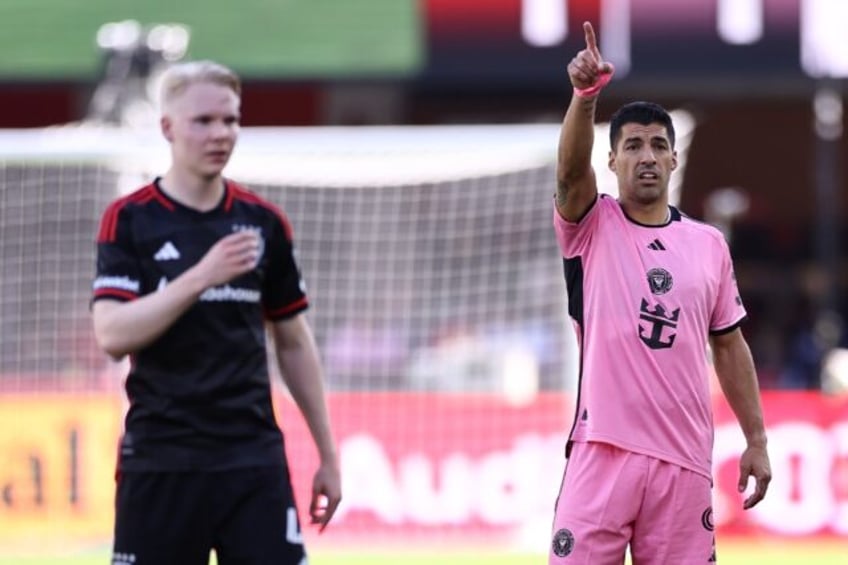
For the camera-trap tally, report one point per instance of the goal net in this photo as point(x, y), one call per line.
point(438, 304)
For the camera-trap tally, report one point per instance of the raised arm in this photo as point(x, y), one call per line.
point(576, 184)
point(734, 367)
point(300, 366)
point(121, 328)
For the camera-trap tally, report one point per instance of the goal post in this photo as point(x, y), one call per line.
point(438, 304)
point(445, 228)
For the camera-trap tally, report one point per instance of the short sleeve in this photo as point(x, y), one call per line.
point(574, 237)
point(284, 291)
point(118, 273)
point(729, 312)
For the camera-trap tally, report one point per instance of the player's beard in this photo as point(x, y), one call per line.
point(647, 194)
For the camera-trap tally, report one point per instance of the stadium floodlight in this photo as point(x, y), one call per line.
point(116, 36)
point(824, 51)
point(134, 58)
point(544, 23)
point(171, 40)
point(740, 22)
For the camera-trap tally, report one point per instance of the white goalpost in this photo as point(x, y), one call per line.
point(437, 292)
point(404, 233)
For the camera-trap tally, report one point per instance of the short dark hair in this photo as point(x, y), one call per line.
point(644, 113)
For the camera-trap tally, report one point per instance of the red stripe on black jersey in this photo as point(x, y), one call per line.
point(243, 194)
point(156, 194)
point(109, 220)
point(228, 199)
point(114, 293)
point(109, 223)
point(295, 306)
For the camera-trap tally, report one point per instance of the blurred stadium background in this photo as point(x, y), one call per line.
point(412, 145)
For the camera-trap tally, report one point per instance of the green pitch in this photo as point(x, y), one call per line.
point(730, 553)
point(55, 39)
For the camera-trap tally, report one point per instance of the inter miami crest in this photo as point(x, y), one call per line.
point(660, 281)
point(563, 543)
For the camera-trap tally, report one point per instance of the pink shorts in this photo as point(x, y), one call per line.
point(611, 498)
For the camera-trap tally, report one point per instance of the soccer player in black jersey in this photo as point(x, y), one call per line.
point(191, 269)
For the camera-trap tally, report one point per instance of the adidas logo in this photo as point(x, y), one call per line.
point(656, 245)
point(167, 252)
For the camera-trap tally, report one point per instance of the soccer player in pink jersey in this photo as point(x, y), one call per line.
point(648, 289)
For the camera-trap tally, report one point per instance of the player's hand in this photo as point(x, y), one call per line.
point(588, 66)
point(326, 494)
point(754, 463)
point(231, 256)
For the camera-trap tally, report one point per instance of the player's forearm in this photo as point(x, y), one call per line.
point(127, 327)
point(574, 154)
point(301, 370)
point(738, 378)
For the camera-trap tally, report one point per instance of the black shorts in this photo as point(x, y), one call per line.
point(248, 516)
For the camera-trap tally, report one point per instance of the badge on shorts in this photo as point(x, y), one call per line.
point(563, 543)
point(707, 519)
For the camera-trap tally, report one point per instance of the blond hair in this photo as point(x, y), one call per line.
point(180, 76)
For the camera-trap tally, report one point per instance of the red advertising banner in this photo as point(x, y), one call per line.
point(421, 467)
point(808, 446)
point(469, 468)
point(453, 468)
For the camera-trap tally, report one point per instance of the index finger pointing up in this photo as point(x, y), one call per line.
point(591, 42)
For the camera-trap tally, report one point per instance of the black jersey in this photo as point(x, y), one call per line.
point(199, 396)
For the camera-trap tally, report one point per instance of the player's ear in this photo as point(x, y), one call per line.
point(611, 161)
point(673, 160)
point(165, 125)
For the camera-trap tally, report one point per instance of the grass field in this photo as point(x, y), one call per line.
point(763, 552)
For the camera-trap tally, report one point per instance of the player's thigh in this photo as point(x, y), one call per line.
point(257, 521)
point(161, 519)
point(597, 503)
point(675, 524)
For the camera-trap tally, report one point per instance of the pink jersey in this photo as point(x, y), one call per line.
point(644, 300)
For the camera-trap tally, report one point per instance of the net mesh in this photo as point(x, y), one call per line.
point(48, 213)
point(393, 273)
point(429, 287)
point(428, 255)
